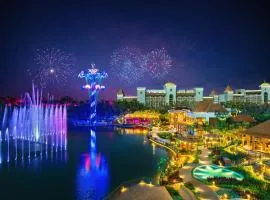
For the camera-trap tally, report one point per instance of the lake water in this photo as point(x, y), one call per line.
point(94, 164)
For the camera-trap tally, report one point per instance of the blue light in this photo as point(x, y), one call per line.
point(93, 78)
point(93, 174)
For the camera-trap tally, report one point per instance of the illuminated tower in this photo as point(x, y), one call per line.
point(93, 78)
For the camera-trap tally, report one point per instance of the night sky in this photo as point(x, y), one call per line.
point(213, 43)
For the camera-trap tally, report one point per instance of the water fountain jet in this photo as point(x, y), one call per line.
point(34, 123)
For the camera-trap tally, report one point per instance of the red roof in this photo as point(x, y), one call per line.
point(207, 105)
point(261, 130)
point(243, 118)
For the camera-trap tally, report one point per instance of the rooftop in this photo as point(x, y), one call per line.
point(261, 130)
point(207, 105)
point(265, 84)
point(243, 118)
point(155, 91)
point(170, 84)
point(228, 89)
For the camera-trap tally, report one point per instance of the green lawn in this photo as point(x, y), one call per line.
point(165, 135)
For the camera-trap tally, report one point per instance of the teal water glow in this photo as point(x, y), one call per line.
point(209, 171)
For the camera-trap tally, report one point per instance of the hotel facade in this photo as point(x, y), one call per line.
point(171, 96)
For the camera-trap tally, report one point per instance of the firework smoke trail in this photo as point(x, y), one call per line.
point(52, 67)
point(158, 63)
point(128, 64)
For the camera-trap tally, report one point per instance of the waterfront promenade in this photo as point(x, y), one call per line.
point(204, 191)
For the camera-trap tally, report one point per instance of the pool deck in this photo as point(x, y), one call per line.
point(142, 192)
point(186, 172)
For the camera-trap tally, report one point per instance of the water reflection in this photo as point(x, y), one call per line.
point(132, 131)
point(92, 175)
point(154, 148)
point(35, 163)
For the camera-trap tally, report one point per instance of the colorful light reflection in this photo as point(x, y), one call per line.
point(93, 173)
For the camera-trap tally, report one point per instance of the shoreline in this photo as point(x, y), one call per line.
point(162, 145)
point(171, 154)
point(153, 181)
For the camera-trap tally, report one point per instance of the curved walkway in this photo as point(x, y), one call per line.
point(158, 143)
point(186, 173)
point(203, 157)
point(186, 194)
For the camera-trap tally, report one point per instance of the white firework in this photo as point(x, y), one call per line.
point(52, 67)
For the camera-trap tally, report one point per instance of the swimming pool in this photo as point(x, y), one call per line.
point(209, 171)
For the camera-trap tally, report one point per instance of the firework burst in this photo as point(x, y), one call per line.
point(51, 67)
point(158, 63)
point(128, 64)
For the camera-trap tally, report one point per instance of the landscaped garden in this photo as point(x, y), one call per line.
point(165, 135)
point(249, 186)
point(227, 194)
point(220, 152)
point(230, 182)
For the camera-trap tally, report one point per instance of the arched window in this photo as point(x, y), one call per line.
point(265, 97)
point(170, 99)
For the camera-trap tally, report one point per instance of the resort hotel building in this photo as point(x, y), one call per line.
point(169, 95)
point(172, 96)
point(259, 96)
